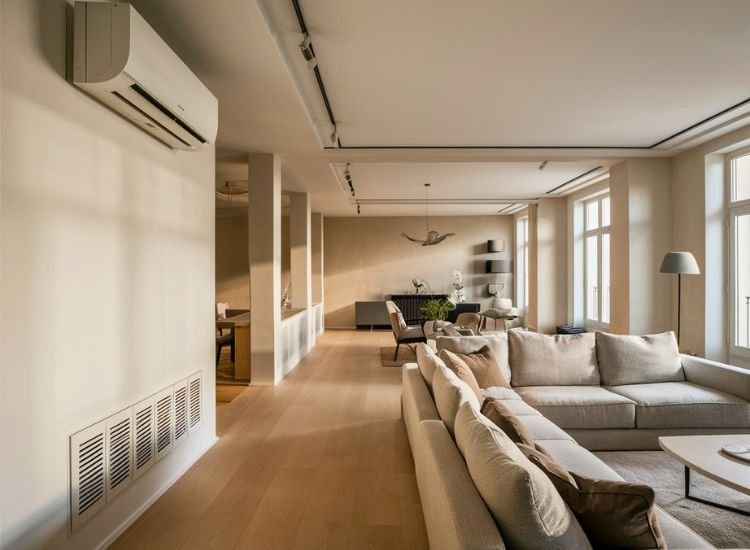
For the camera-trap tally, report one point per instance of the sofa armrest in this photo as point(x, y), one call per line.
point(712, 374)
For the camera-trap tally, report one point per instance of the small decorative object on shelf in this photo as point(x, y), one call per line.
point(458, 296)
point(285, 302)
point(421, 286)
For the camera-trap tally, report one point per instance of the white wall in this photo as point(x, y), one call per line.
point(107, 278)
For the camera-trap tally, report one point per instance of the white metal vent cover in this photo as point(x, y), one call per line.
point(195, 400)
point(164, 423)
point(87, 473)
point(180, 411)
point(119, 452)
point(144, 437)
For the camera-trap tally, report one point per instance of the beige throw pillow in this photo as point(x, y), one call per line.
point(462, 370)
point(560, 360)
point(626, 359)
point(527, 508)
point(450, 393)
point(483, 364)
point(613, 514)
point(498, 343)
point(502, 417)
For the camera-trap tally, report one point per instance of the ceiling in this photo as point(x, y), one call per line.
point(581, 83)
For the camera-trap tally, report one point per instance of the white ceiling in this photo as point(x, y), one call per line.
point(582, 73)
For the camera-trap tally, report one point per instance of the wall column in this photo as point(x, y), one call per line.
point(317, 257)
point(301, 249)
point(264, 242)
point(641, 235)
point(551, 264)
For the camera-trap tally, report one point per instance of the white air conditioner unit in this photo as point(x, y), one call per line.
point(119, 59)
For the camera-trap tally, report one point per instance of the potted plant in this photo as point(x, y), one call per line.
point(436, 310)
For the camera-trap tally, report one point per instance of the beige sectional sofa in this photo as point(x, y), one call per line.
point(559, 417)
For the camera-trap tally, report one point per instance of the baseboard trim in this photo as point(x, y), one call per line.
point(120, 529)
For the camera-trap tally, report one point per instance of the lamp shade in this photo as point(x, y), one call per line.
point(679, 262)
point(498, 266)
point(496, 245)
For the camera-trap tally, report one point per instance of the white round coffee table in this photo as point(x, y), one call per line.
point(703, 454)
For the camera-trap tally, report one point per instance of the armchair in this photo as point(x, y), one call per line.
point(502, 309)
point(402, 333)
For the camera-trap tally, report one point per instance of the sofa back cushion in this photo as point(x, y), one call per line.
point(498, 343)
point(427, 361)
point(560, 360)
point(527, 508)
point(450, 393)
point(459, 367)
point(625, 359)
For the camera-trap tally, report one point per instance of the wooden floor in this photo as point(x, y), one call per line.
point(319, 461)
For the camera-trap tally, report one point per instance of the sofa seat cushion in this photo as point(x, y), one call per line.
point(684, 405)
point(574, 458)
point(581, 407)
point(520, 407)
point(560, 360)
point(543, 429)
point(677, 534)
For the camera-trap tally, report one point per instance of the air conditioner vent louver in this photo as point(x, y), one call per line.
point(119, 452)
point(91, 466)
point(195, 401)
point(108, 456)
point(180, 412)
point(144, 451)
point(88, 473)
point(164, 436)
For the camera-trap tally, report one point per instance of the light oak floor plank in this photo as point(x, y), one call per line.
point(320, 461)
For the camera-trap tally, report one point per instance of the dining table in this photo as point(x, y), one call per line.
point(240, 326)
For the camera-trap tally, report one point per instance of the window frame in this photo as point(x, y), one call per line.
point(522, 264)
point(736, 208)
point(597, 232)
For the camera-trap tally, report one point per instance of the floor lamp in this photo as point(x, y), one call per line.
point(681, 263)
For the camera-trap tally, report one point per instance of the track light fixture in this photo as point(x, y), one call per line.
point(359, 210)
point(307, 51)
point(335, 136)
point(348, 177)
point(543, 165)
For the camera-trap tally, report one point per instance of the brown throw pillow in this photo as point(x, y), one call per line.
point(502, 417)
point(485, 367)
point(462, 370)
point(613, 514)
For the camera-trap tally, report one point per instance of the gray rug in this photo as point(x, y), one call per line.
point(721, 528)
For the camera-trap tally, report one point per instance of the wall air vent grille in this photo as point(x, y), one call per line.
point(164, 424)
point(119, 452)
point(194, 383)
point(180, 412)
point(145, 453)
point(106, 457)
point(88, 468)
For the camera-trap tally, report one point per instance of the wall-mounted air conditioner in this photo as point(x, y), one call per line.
point(119, 59)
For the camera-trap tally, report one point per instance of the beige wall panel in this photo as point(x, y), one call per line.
point(367, 259)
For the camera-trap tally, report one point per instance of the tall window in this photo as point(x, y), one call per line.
point(739, 257)
point(522, 264)
point(596, 212)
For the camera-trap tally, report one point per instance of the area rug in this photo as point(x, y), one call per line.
point(723, 529)
point(405, 355)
